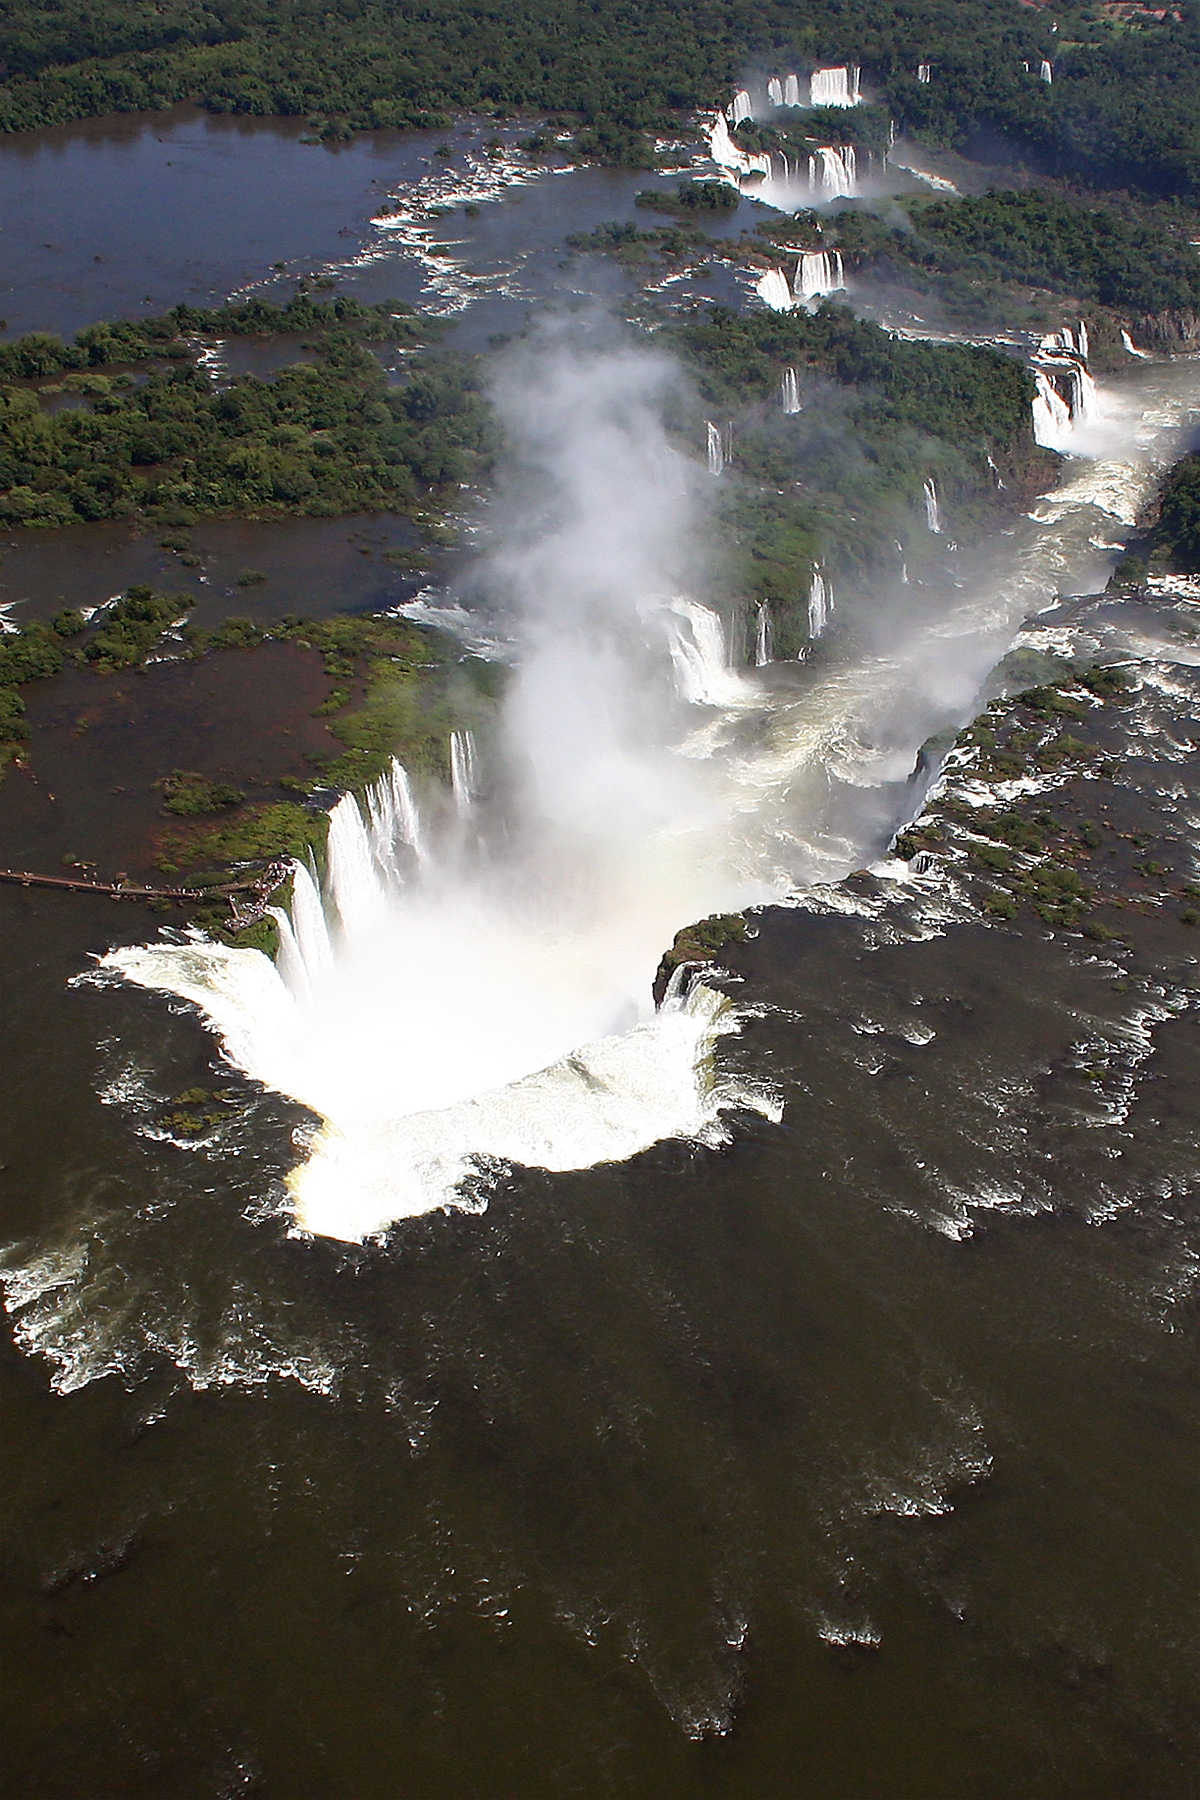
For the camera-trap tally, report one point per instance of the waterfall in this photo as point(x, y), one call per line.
point(1046, 73)
point(773, 290)
point(995, 471)
point(923, 73)
point(1082, 398)
point(933, 517)
point(741, 108)
point(1132, 347)
point(819, 272)
point(903, 561)
point(820, 605)
point(775, 91)
point(762, 642)
point(463, 765)
point(790, 391)
point(1067, 342)
point(834, 87)
point(1066, 393)
point(393, 811)
point(719, 447)
point(791, 91)
point(1051, 415)
point(832, 172)
point(700, 656)
point(733, 161)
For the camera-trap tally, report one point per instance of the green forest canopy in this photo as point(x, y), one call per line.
point(1029, 236)
point(328, 437)
point(1124, 108)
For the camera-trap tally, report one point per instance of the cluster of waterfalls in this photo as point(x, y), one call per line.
point(1065, 402)
point(818, 272)
point(829, 172)
point(467, 984)
point(824, 87)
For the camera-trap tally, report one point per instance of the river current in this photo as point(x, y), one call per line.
point(829, 1442)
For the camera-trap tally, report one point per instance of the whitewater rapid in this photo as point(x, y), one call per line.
point(472, 986)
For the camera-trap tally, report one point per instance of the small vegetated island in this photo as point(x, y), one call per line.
point(150, 435)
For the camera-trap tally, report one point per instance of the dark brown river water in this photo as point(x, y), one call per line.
point(854, 1459)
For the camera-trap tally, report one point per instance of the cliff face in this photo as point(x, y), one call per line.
point(1175, 330)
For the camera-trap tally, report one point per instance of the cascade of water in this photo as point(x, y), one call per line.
point(1051, 415)
point(733, 161)
point(832, 172)
point(1046, 72)
point(1067, 342)
point(995, 471)
point(741, 108)
point(357, 868)
point(700, 656)
point(1066, 394)
point(790, 391)
point(762, 641)
point(820, 604)
point(716, 449)
point(1132, 347)
point(773, 290)
point(834, 87)
point(923, 72)
point(933, 517)
point(791, 91)
point(1082, 398)
point(305, 950)
point(903, 562)
point(775, 91)
point(463, 769)
point(819, 272)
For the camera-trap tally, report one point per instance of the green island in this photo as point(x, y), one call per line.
point(1175, 538)
point(997, 258)
point(324, 437)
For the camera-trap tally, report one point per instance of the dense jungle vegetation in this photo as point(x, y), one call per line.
point(1027, 236)
point(139, 340)
point(323, 437)
point(1177, 535)
point(1124, 108)
point(975, 399)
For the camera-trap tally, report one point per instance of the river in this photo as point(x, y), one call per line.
point(831, 1444)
